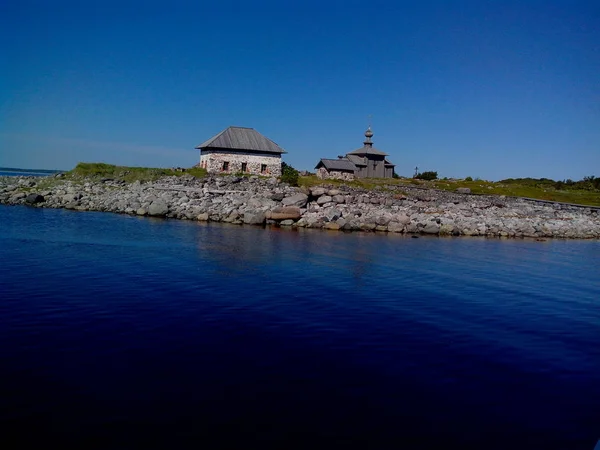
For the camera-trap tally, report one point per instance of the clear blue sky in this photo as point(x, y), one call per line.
point(489, 89)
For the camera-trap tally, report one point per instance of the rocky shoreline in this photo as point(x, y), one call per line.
point(259, 201)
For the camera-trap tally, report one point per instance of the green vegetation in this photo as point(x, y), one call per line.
point(128, 174)
point(289, 174)
point(428, 176)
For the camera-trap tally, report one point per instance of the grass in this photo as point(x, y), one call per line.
point(128, 174)
point(514, 188)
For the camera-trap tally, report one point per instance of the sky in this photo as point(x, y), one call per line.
point(488, 89)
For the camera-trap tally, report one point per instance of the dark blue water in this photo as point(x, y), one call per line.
point(126, 332)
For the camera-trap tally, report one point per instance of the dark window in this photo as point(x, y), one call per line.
point(263, 168)
point(225, 166)
point(244, 167)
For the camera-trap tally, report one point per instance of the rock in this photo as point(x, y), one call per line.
point(317, 191)
point(71, 198)
point(284, 213)
point(395, 227)
point(141, 211)
point(332, 215)
point(277, 196)
point(34, 198)
point(323, 199)
point(158, 208)
point(338, 198)
point(383, 220)
point(286, 223)
point(446, 229)
point(332, 226)
point(463, 190)
point(254, 217)
point(295, 200)
point(202, 217)
point(333, 192)
point(431, 228)
point(402, 219)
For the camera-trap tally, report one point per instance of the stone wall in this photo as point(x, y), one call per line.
point(260, 200)
point(266, 164)
point(325, 174)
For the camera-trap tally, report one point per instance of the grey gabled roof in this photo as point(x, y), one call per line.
point(387, 162)
point(337, 164)
point(367, 151)
point(357, 160)
point(241, 138)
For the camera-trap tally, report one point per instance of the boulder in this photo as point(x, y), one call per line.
point(278, 196)
point(295, 200)
point(34, 198)
point(332, 215)
point(286, 223)
point(333, 192)
point(158, 208)
point(402, 219)
point(254, 217)
point(284, 213)
point(383, 219)
point(202, 217)
point(395, 227)
point(431, 228)
point(317, 191)
point(463, 190)
point(332, 226)
point(338, 198)
point(71, 198)
point(141, 211)
point(323, 199)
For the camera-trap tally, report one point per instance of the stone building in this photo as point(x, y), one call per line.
point(241, 150)
point(338, 169)
point(365, 162)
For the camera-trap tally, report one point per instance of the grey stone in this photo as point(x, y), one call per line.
point(431, 228)
point(463, 190)
point(34, 198)
point(158, 208)
point(317, 191)
point(402, 218)
point(286, 223)
point(338, 198)
point(332, 215)
point(141, 211)
point(395, 227)
point(254, 217)
point(295, 200)
point(203, 217)
point(323, 199)
point(383, 220)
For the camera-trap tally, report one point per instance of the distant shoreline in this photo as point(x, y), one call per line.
point(18, 170)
